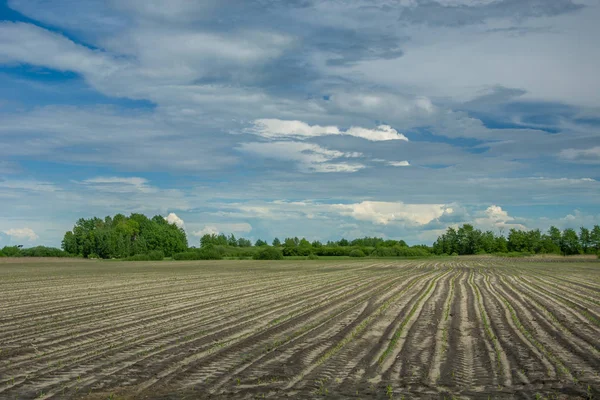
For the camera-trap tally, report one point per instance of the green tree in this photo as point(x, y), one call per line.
point(121, 236)
point(585, 239)
point(304, 243)
point(243, 242)
point(518, 240)
point(11, 251)
point(555, 235)
point(569, 242)
point(232, 241)
point(291, 242)
point(595, 238)
point(268, 253)
point(276, 242)
point(260, 243)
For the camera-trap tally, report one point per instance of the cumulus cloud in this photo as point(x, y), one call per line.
point(217, 228)
point(494, 217)
point(172, 218)
point(276, 129)
point(380, 212)
point(22, 234)
point(308, 157)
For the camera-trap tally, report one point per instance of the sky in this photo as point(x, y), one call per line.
point(323, 119)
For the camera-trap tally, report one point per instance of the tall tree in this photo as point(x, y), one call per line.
point(595, 238)
point(569, 242)
point(585, 239)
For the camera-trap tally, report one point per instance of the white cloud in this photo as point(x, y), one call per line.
point(541, 181)
point(217, 228)
point(434, 64)
point(132, 194)
point(399, 163)
point(380, 212)
point(308, 156)
point(401, 109)
point(29, 185)
point(28, 43)
point(494, 217)
point(172, 218)
point(276, 128)
point(22, 234)
point(591, 155)
point(135, 181)
point(117, 184)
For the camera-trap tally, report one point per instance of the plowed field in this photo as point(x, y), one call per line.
point(442, 328)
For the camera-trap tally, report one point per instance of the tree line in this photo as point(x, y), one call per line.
point(216, 246)
point(138, 237)
point(468, 240)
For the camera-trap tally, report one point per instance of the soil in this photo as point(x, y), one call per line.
point(472, 327)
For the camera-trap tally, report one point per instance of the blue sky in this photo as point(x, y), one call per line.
point(313, 118)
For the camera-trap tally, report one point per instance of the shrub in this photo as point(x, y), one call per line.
point(136, 257)
point(11, 251)
point(357, 253)
point(384, 252)
point(43, 251)
point(156, 255)
point(328, 251)
point(209, 252)
point(297, 251)
point(93, 255)
point(2, 254)
point(401, 251)
point(312, 256)
point(187, 255)
point(455, 254)
point(269, 253)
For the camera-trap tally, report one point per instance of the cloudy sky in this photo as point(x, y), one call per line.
point(322, 119)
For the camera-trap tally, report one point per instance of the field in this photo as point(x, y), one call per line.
point(441, 328)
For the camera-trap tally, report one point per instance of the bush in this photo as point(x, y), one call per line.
point(455, 254)
point(187, 255)
point(43, 251)
point(401, 251)
point(4, 255)
point(137, 257)
point(209, 252)
point(297, 251)
point(357, 253)
point(329, 251)
point(269, 253)
point(156, 255)
point(93, 255)
point(11, 251)
point(312, 256)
